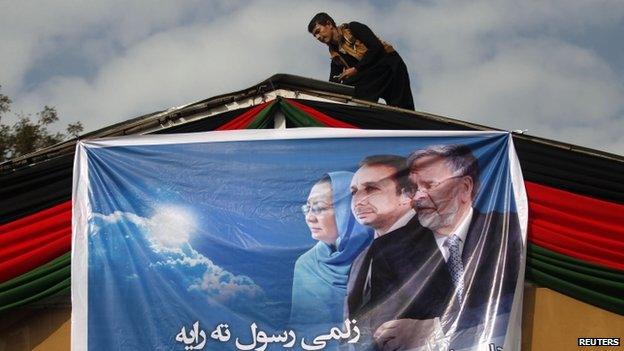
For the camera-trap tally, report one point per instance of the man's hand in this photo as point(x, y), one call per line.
point(404, 334)
point(348, 72)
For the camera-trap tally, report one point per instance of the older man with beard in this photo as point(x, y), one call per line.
point(467, 266)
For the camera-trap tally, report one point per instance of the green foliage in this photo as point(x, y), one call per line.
point(26, 135)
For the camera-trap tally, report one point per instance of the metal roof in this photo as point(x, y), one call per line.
point(285, 85)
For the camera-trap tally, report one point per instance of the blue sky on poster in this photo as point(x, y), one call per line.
point(552, 67)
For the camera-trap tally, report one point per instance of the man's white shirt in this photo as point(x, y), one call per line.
point(461, 231)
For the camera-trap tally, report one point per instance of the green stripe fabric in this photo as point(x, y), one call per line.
point(298, 117)
point(262, 119)
point(599, 286)
point(47, 280)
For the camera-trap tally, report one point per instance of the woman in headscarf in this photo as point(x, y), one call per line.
point(320, 276)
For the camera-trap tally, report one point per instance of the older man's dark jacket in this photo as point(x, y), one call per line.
point(410, 278)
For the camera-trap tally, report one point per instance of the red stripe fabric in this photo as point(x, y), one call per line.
point(321, 117)
point(578, 226)
point(242, 121)
point(39, 223)
point(35, 217)
point(32, 241)
point(23, 247)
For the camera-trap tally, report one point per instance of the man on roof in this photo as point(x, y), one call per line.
point(359, 58)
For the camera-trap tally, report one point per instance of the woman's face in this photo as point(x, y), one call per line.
point(319, 214)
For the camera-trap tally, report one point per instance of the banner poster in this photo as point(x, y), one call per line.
point(301, 239)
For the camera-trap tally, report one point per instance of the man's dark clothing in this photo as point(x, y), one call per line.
point(373, 279)
point(415, 282)
point(381, 72)
point(429, 286)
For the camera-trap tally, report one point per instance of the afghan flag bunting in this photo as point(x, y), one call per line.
point(577, 226)
point(575, 204)
point(255, 118)
point(304, 116)
point(34, 240)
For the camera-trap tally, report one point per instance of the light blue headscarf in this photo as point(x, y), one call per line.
point(320, 277)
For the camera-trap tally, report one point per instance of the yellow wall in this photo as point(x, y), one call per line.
point(35, 329)
point(551, 321)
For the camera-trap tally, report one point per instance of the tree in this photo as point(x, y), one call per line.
point(26, 136)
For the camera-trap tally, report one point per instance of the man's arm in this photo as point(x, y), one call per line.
point(375, 50)
point(334, 73)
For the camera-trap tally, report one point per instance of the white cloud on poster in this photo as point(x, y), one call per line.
point(170, 228)
point(115, 217)
point(168, 232)
point(224, 286)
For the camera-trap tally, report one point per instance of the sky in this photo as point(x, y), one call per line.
point(552, 67)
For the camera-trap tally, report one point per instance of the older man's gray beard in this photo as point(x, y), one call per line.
point(435, 220)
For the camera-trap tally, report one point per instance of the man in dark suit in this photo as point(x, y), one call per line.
point(381, 202)
point(464, 271)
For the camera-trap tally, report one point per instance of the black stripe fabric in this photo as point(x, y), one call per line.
point(577, 172)
point(572, 171)
point(34, 188)
point(373, 118)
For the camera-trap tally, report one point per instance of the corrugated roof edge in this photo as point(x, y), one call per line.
point(332, 91)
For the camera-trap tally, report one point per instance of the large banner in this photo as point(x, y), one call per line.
point(302, 239)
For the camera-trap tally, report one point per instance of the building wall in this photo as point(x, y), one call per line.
point(40, 329)
point(551, 321)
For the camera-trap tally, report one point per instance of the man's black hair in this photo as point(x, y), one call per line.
point(398, 163)
point(320, 18)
